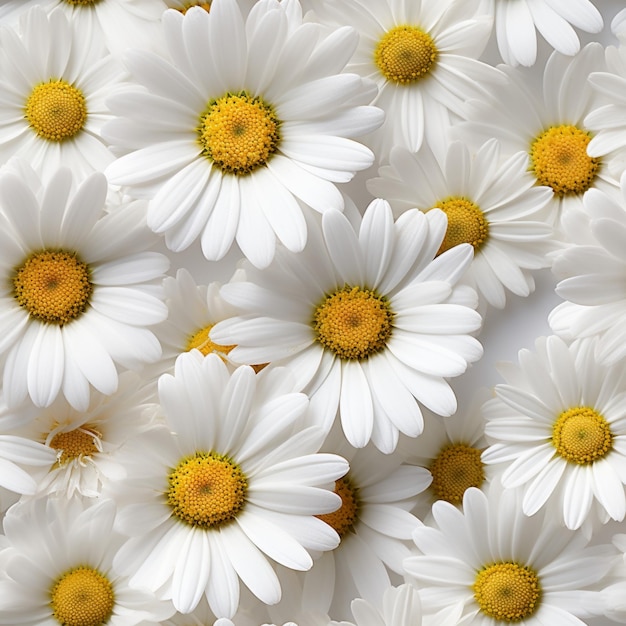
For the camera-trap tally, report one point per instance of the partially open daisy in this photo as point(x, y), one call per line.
point(78, 288)
point(490, 204)
point(368, 321)
point(230, 485)
point(228, 150)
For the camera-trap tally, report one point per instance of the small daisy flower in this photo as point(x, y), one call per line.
point(490, 203)
point(52, 102)
point(78, 289)
point(368, 321)
point(498, 566)
point(229, 486)
point(559, 428)
point(58, 567)
point(234, 149)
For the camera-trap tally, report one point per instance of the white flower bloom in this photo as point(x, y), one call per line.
point(78, 288)
point(368, 321)
point(233, 487)
point(229, 149)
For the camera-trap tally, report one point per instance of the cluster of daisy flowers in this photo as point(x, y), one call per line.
point(250, 250)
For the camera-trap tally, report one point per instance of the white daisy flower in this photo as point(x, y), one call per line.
point(422, 54)
point(498, 566)
point(592, 280)
point(559, 427)
point(368, 321)
point(52, 102)
point(78, 289)
point(233, 148)
point(490, 203)
point(234, 487)
point(59, 570)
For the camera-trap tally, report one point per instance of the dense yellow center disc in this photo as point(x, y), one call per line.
point(53, 286)
point(82, 2)
point(456, 468)
point(203, 5)
point(405, 54)
point(76, 443)
point(507, 591)
point(344, 518)
point(581, 435)
point(559, 160)
point(82, 597)
point(206, 490)
point(466, 224)
point(201, 341)
point(56, 110)
point(354, 323)
point(239, 133)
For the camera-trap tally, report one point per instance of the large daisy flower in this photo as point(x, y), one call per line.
point(558, 425)
point(422, 55)
point(490, 203)
point(230, 485)
point(247, 121)
point(55, 80)
point(368, 321)
point(498, 566)
point(78, 288)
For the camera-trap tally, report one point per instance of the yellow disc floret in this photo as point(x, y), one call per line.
point(559, 160)
point(466, 224)
point(75, 444)
point(353, 322)
point(507, 591)
point(581, 435)
point(200, 341)
point(344, 518)
point(53, 286)
point(206, 490)
point(203, 5)
point(405, 54)
point(456, 468)
point(82, 597)
point(56, 110)
point(239, 133)
point(82, 2)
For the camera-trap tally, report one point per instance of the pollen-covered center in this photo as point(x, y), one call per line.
point(56, 110)
point(206, 490)
point(75, 444)
point(405, 54)
point(456, 468)
point(82, 2)
point(507, 591)
point(559, 160)
point(466, 224)
point(203, 5)
point(353, 322)
point(200, 340)
point(581, 435)
point(239, 133)
point(82, 597)
point(54, 286)
point(344, 518)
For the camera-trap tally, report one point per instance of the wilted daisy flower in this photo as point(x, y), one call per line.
point(368, 321)
point(52, 101)
point(228, 149)
point(78, 289)
point(422, 55)
point(229, 486)
point(498, 566)
point(490, 203)
point(59, 570)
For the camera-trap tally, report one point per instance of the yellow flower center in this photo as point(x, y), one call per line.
point(559, 160)
point(82, 597)
point(203, 5)
point(507, 591)
point(56, 110)
point(201, 341)
point(354, 323)
point(206, 490)
point(405, 54)
point(466, 224)
point(345, 517)
point(53, 286)
point(456, 468)
point(75, 444)
point(581, 435)
point(239, 133)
